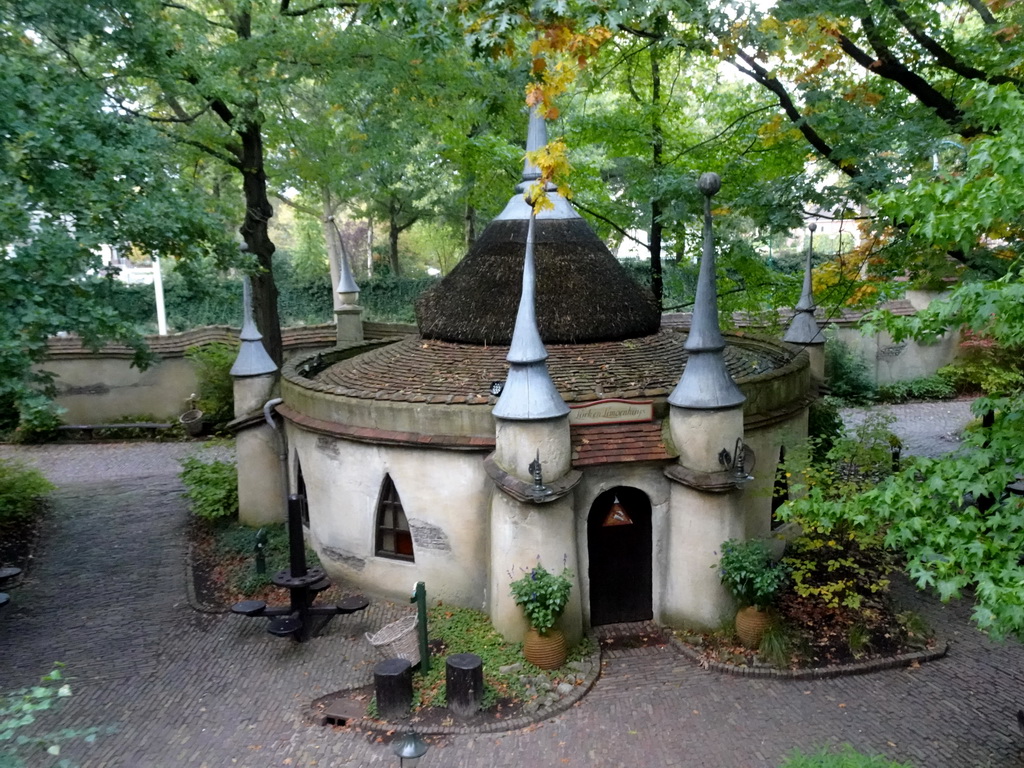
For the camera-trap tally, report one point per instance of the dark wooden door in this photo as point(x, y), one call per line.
point(620, 557)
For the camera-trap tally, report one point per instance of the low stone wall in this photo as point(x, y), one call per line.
point(98, 387)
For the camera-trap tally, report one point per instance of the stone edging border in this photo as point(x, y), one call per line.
point(190, 588)
point(818, 673)
point(512, 724)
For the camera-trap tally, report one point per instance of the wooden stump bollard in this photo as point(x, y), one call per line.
point(464, 677)
point(392, 680)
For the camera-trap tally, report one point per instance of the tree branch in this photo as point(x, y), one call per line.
point(286, 10)
point(610, 223)
point(983, 11)
point(718, 135)
point(942, 56)
point(887, 66)
point(194, 12)
point(298, 206)
point(760, 75)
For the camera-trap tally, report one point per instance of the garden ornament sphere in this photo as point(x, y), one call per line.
point(709, 184)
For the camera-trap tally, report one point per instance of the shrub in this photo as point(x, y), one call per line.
point(21, 491)
point(542, 596)
point(824, 425)
point(937, 387)
point(847, 375)
point(216, 387)
point(747, 570)
point(211, 487)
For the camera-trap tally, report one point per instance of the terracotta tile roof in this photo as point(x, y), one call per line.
point(618, 443)
point(419, 370)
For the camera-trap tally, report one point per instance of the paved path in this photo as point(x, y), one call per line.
point(183, 689)
point(926, 429)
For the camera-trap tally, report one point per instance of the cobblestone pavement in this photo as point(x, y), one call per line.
point(926, 429)
point(182, 689)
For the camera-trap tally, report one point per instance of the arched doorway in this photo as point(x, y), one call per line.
point(619, 547)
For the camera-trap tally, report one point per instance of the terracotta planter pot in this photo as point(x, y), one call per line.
point(545, 651)
point(751, 622)
point(192, 421)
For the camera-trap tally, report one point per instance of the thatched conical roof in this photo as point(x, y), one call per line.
point(583, 294)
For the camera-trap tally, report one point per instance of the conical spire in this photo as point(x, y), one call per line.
point(706, 383)
point(517, 207)
point(346, 281)
point(529, 393)
point(252, 359)
point(804, 329)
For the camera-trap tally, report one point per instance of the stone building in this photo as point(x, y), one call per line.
point(542, 412)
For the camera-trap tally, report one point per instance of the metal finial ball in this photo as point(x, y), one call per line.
point(812, 226)
point(709, 184)
point(244, 247)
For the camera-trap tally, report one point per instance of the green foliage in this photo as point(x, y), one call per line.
point(463, 630)
point(847, 374)
point(838, 567)
point(38, 420)
point(211, 487)
point(22, 489)
point(824, 425)
point(951, 518)
point(846, 757)
point(21, 708)
point(216, 387)
point(777, 645)
point(237, 544)
point(747, 570)
point(542, 596)
point(391, 299)
point(986, 367)
point(71, 181)
point(936, 387)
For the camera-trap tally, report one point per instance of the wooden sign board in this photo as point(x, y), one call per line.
point(611, 411)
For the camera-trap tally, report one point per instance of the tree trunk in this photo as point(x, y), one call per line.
point(255, 232)
point(657, 164)
point(393, 230)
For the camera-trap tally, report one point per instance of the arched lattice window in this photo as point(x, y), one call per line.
point(393, 536)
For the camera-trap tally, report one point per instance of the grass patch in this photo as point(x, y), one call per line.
point(462, 630)
point(846, 757)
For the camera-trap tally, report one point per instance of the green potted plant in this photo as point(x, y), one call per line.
point(543, 596)
point(754, 579)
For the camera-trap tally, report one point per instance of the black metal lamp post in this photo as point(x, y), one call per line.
point(410, 748)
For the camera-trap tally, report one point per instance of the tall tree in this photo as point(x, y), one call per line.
point(73, 180)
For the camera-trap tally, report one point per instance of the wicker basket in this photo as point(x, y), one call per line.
point(398, 640)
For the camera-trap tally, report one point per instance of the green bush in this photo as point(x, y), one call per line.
point(21, 491)
point(937, 387)
point(211, 487)
point(846, 757)
point(747, 570)
point(991, 370)
point(824, 426)
point(846, 374)
point(216, 387)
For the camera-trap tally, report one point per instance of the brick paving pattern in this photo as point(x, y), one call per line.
point(179, 688)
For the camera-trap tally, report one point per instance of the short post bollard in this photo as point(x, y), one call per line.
point(392, 680)
point(464, 680)
point(261, 555)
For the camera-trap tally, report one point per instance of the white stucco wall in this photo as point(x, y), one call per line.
point(888, 361)
point(446, 498)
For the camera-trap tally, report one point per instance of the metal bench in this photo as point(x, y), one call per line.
point(87, 430)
